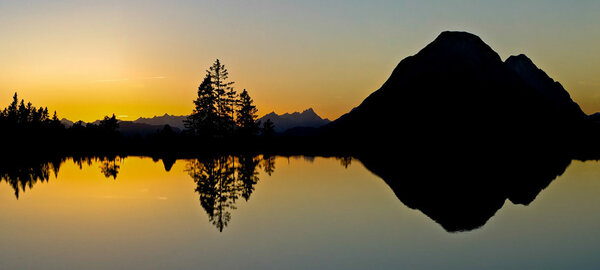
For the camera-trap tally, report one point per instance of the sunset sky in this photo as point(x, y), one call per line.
point(87, 59)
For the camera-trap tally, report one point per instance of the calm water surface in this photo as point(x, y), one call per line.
point(274, 213)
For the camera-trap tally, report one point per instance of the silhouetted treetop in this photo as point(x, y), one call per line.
point(247, 114)
point(109, 123)
point(268, 129)
point(219, 111)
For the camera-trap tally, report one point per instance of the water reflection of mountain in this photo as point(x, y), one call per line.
point(461, 193)
point(222, 180)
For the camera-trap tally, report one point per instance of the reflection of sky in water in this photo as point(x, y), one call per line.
point(306, 215)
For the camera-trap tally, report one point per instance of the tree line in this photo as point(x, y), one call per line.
point(20, 115)
point(29, 129)
point(220, 115)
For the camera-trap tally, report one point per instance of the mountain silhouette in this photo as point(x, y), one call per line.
point(166, 119)
point(308, 118)
point(457, 94)
point(66, 122)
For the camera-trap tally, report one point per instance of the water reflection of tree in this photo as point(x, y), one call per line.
point(269, 164)
point(110, 167)
point(22, 174)
point(247, 174)
point(81, 160)
point(221, 181)
point(345, 161)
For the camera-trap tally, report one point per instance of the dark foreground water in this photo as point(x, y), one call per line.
point(274, 213)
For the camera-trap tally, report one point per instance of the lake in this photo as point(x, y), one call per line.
point(257, 212)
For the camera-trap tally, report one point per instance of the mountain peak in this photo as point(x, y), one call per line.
point(458, 39)
point(457, 35)
point(271, 114)
point(462, 45)
point(165, 119)
point(309, 110)
point(66, 122)
point(520, 57)
point(521, 61)
point(307, 118)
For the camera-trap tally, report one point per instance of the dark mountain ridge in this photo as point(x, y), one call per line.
point(145, 126)
point(552, 90)
point(457, 92)
point(132, 128)
point(176, 121)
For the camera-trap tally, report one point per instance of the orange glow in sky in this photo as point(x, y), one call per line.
point(87, 59)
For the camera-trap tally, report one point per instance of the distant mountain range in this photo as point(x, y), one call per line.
point(283, 122)
point(145, 126)
point(175, 121)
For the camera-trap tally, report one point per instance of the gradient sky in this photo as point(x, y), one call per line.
point(87, 59)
